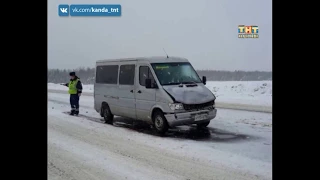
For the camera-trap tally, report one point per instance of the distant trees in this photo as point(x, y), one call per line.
point(86, 75)
point(235, 75)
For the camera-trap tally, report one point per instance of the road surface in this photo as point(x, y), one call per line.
point(237, 145)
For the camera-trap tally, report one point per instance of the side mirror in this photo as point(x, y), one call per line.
point(204, 80)
point(148, 83)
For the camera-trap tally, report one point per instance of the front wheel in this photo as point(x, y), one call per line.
point(160, 122)
point(202, 125)
point(107, 115)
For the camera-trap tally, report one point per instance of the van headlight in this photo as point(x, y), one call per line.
point(176, 106)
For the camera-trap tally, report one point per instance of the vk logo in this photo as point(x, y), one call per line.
point(63, 10)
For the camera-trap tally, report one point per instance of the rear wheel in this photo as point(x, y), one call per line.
point(160, 122)
point(107, 115)
point(202, 125)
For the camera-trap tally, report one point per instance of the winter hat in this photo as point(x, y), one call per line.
point(72, 73)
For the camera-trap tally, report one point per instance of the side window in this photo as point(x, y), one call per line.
point(126, 76)
point(144, 73)
point(107, 74)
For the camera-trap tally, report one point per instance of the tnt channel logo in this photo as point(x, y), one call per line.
point(248, 31)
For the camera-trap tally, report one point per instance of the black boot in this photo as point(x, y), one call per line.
point(76, 112)
point(72, 112)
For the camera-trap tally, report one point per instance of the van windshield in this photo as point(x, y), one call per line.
point(175, 73)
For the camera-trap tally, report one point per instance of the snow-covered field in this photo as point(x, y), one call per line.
point(236, 145)
point(234, 92)
point(242, 92)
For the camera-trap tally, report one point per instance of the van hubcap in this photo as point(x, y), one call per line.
point(158, 122)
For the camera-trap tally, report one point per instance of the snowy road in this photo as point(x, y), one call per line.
point(236, 145)
point(225, 105)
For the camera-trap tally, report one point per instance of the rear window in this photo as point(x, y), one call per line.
point(107, 74)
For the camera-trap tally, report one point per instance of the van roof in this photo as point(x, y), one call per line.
point(151, 59)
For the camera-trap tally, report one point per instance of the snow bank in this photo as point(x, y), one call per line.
point(86, 88)
point(233, 92)
point(242, 92)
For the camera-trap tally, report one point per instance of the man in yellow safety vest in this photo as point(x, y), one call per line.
point(75, 90)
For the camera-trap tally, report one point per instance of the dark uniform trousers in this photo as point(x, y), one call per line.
point(74, 102)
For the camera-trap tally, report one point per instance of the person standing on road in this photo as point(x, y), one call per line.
point(75, 90)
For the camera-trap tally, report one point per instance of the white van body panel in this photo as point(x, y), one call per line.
point(106, 93)
point(136, 101)
point(145, 98)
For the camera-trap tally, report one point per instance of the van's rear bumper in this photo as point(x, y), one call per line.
point(188, 118)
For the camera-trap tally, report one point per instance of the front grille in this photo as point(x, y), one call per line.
point(189, 107)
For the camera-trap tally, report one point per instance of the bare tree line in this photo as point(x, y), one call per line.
point(87, 75)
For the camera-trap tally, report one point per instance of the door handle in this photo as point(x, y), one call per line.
point(139, 91)
point(131, 91)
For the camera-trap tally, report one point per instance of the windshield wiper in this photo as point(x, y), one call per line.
point(188, 82)
point(180, 83)
point(171, 83)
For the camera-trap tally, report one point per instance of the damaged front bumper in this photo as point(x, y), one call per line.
point(192, 117)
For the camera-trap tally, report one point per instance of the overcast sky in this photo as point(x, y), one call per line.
point(203, 31)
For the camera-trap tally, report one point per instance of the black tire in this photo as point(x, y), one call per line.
point(106, 114)
point(202, 125)
point(160, 122)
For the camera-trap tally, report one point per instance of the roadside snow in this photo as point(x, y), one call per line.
point(242, 92)
point(233, 92)
point(86, 87)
